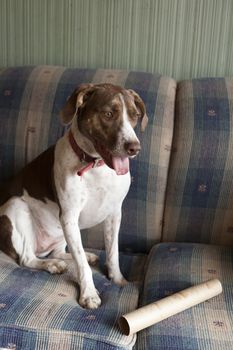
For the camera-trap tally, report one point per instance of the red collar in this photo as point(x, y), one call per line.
point(83, 156)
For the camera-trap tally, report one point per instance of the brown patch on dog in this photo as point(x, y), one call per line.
point(36, 178)
point(100, 117)
point(6, 238)
point(75, 100)
point(99, 111)
point(141, 109)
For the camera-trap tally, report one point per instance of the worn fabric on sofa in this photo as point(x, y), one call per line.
point(40, 311)
point(199, 201)
point(176, 266)
point(30, 101)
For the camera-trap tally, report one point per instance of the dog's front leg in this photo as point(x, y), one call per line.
point(111, 231)
point(89, 297)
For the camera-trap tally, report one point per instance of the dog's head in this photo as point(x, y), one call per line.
point(107, 115)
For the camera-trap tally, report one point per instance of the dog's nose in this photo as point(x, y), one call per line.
point(132, 148)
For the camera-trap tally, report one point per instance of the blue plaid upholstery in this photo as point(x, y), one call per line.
point(207, 326)
point(40, 311)
point(30, 100)
point(199, 201)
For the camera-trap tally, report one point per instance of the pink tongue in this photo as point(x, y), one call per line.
point(121, 165)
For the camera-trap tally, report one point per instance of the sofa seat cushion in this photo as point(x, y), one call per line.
point(173, 267)
point(40, 311)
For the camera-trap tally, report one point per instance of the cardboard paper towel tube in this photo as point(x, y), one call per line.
point(160, 310)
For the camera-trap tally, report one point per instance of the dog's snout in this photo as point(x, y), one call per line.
point(132, 148)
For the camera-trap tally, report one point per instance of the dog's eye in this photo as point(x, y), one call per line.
point(108, 115)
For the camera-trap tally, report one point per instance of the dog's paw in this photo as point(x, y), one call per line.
point(90, 302)
point(56, 266)
point(117, 278)
point(92, 259)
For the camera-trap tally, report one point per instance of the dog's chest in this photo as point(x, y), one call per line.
point(103, 193)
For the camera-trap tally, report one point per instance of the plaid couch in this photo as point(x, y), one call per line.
point(177, 226)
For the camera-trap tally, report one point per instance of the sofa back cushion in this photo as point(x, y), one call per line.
point(30, 100)
point(199, 204)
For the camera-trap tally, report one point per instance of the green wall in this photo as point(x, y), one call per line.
point(179, 38)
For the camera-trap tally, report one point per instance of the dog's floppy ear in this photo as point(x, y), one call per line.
point(74, 101)
point(140, 105)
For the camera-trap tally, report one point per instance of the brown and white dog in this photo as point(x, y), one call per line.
point(76, 184)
